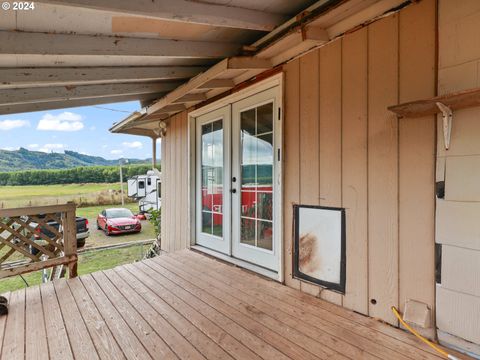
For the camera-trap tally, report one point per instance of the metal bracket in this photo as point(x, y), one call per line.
point(447, 116)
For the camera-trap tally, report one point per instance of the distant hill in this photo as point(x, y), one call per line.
point(24, 159)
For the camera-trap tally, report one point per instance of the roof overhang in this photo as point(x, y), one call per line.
point(69, 53)
point(315, 27)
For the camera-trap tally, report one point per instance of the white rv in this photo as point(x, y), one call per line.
point(146, 189)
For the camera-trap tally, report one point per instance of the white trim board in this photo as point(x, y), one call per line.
point(240, 263)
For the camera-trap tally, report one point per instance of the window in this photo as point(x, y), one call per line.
point(149, 181)
point(141, 184)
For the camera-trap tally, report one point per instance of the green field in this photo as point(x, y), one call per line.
point(88, 263)
point(81, 194)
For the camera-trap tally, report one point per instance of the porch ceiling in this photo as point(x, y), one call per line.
point(316, 26)
point(83, 52)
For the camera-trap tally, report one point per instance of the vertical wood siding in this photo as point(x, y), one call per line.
point(175, 185)
point(344, 148)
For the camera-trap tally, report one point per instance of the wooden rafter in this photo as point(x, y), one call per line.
point(185, 11)
point(62, 104)
point(48, 94)
point(41, 77)
point(15, 42)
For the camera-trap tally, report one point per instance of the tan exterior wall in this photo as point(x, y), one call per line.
point(344, 148)
point(174, 222)
point(458, 297)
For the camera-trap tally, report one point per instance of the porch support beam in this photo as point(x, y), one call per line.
point(17, 42)
point(154, 152)
point(185, 11)
point(42, 77)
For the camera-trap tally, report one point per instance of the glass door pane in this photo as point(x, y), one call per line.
point(213, 205)
point(256, 142)
point(212, 178)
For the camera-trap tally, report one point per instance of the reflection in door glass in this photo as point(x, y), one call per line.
point(256, 225)
point(212, 178)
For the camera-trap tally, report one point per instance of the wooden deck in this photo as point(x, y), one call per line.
point(186, 305)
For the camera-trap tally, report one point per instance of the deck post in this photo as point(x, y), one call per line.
point(70, 240)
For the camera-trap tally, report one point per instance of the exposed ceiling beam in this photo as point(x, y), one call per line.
point(191, 98)
point(41, 106)
point(295, 43)
point(171, 109)
point(218, 84)
point(234, 64)
point(49, 94)
point(17, 42)
point(41, 77)
point(185, 11)
point(142, 132)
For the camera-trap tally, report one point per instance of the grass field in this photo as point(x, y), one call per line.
point(35, 195)
point(88, 263)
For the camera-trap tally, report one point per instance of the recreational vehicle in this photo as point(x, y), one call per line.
point(146, 190)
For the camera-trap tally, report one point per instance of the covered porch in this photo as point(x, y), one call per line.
point(190, 306)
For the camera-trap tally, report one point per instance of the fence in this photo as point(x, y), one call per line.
point(44, 236)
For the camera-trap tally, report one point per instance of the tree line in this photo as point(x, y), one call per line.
point(78, 175)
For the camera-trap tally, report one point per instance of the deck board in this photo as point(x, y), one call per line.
point(35, 347)
point(186, 305)
point(105, 344)
point(80, 341)
point(58, 342)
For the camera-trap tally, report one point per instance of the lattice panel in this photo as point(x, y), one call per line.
point(33, 238)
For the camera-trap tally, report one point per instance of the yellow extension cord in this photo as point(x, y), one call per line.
point(429, 343)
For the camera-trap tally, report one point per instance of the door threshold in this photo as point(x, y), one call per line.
point(238, 262)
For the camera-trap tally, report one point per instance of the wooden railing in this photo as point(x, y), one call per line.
point(43, 237)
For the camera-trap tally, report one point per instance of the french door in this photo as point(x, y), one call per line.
point(238, 179)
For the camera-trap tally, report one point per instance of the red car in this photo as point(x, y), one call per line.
point(118, 221)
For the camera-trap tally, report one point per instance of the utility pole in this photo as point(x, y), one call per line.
point(121, 179)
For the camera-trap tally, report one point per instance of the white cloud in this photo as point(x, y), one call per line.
point(116, 152)
point(104, 146)
point(13, 124)
point(93, 128)
point(10, 148)
point(66, 121)
point(133, 144)
point(52, 148)
point(33, 146)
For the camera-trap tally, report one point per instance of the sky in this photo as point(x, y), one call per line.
point(81, 129)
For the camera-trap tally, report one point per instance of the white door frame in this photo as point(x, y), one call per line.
point(272, 82)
